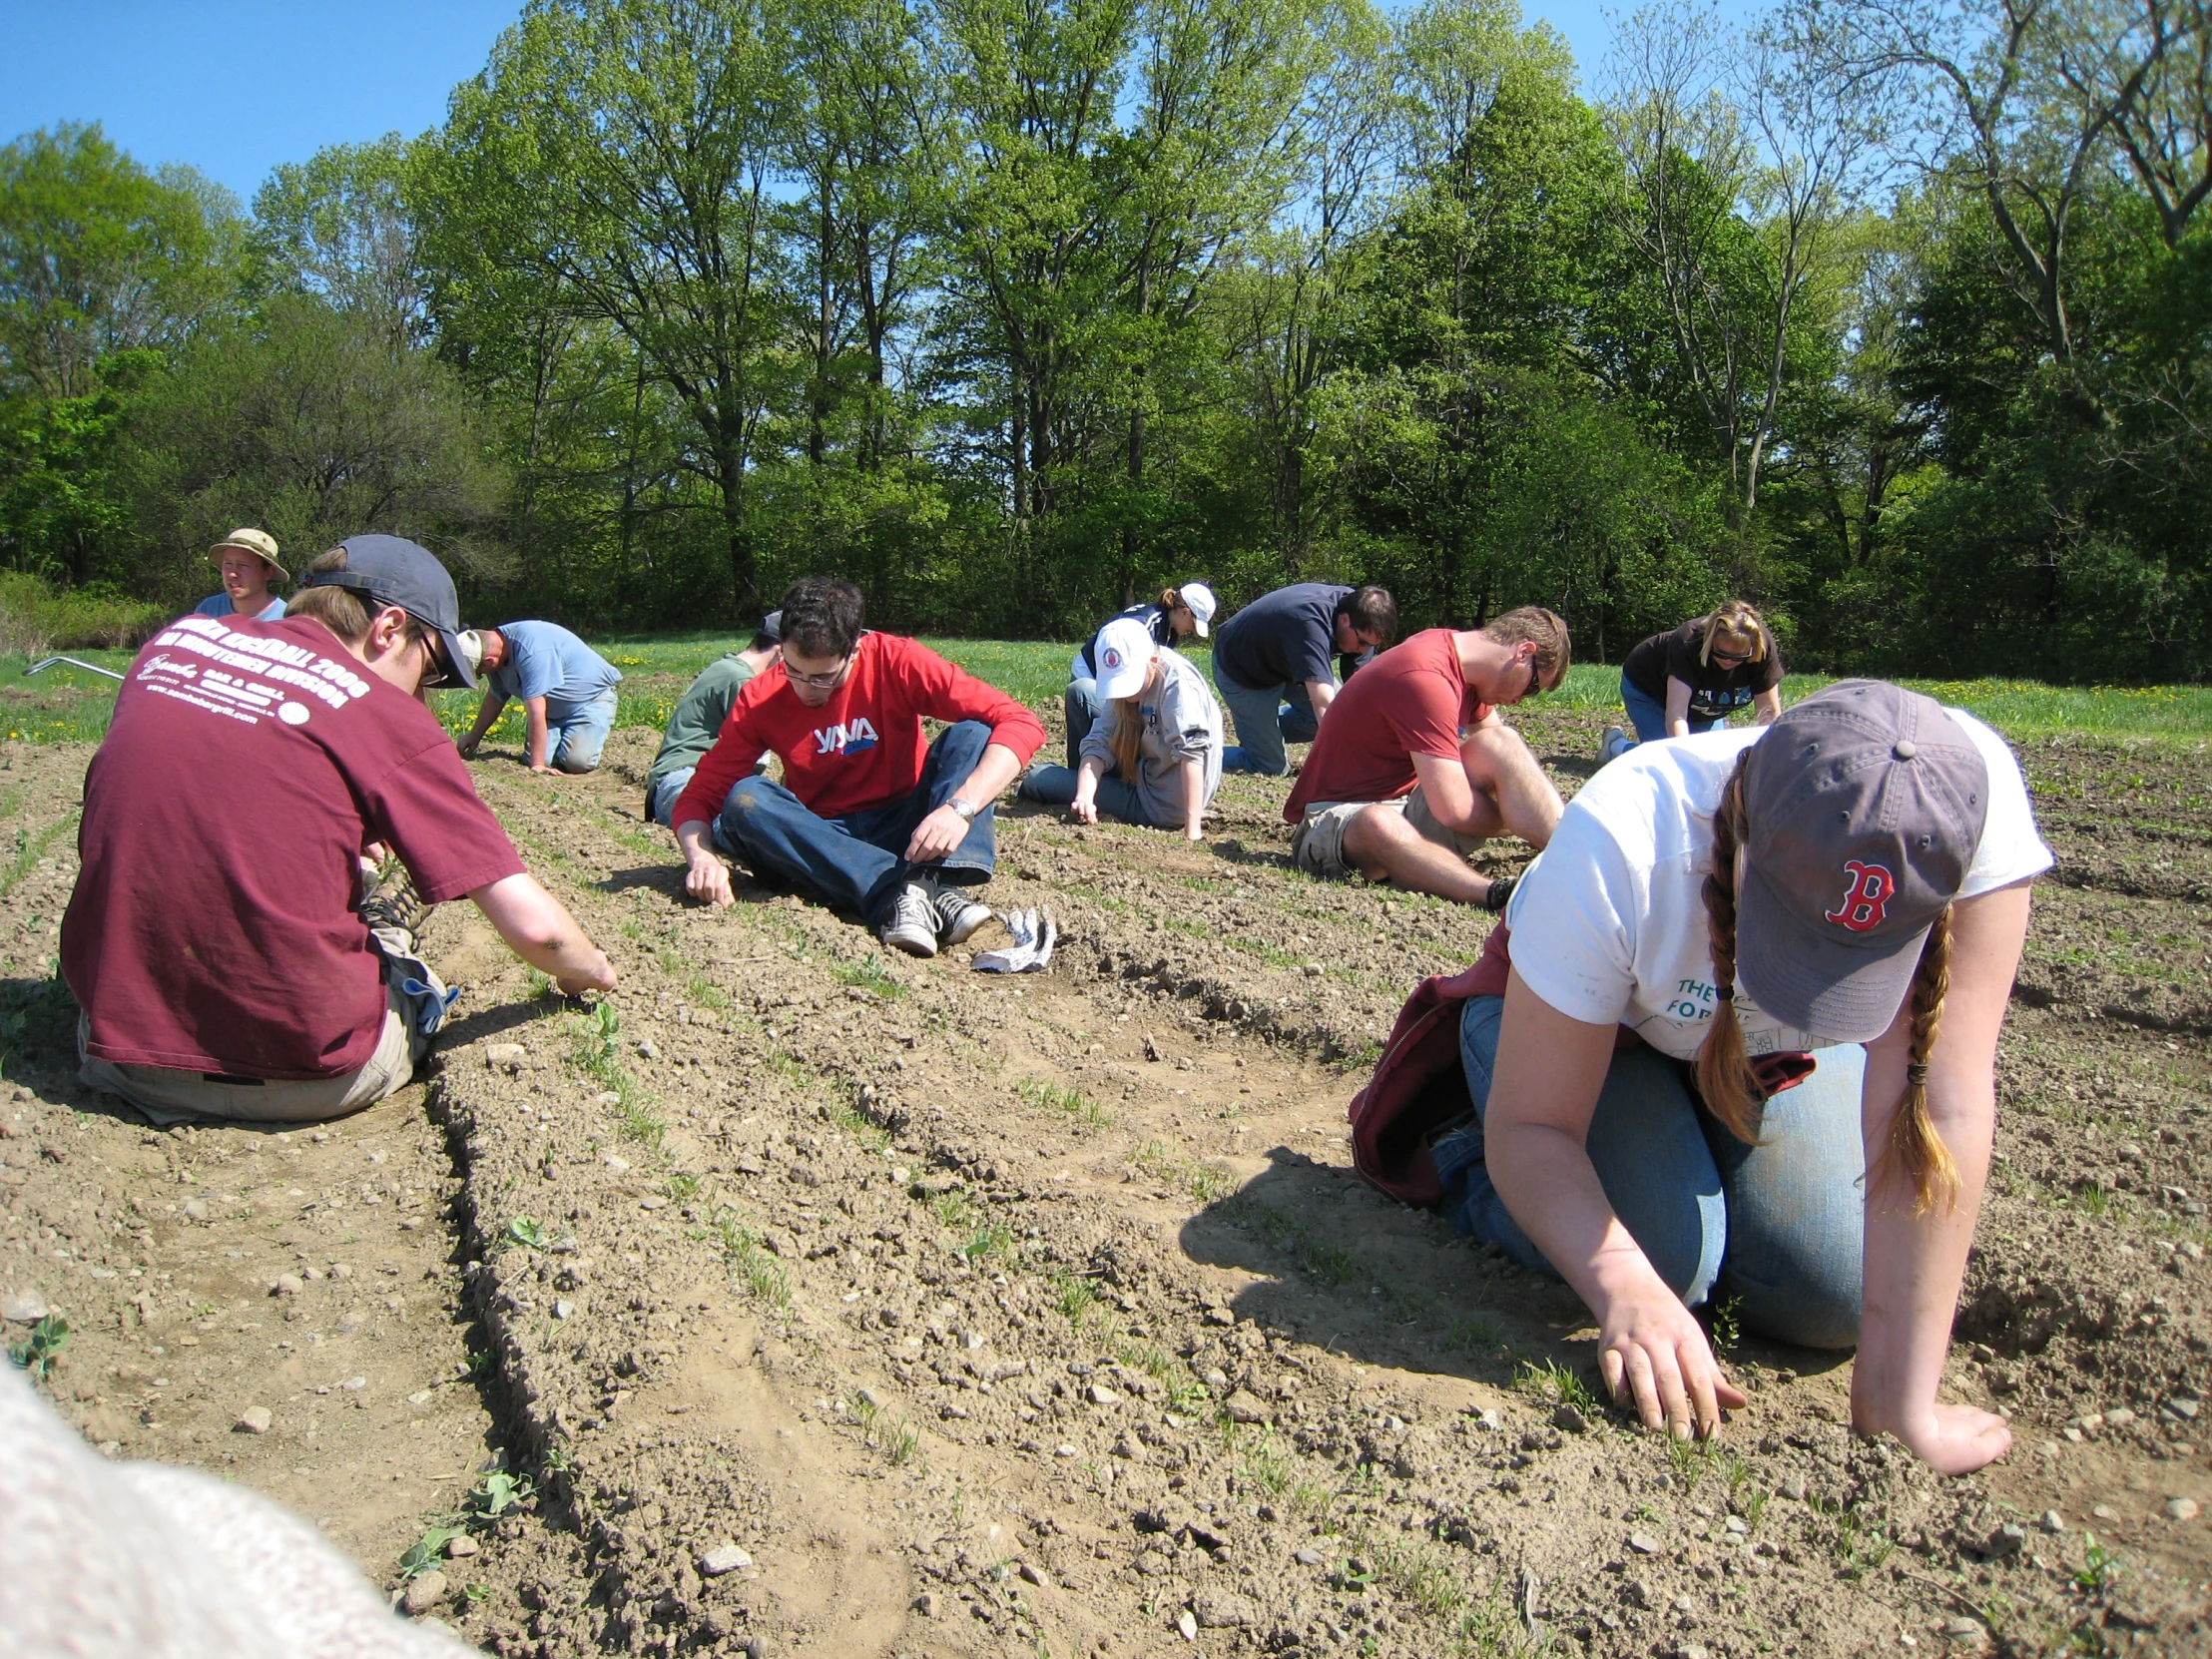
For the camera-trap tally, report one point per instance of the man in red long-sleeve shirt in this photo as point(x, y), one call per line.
point(869, 818)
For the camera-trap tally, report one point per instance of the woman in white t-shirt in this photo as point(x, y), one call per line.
point(1848, 886)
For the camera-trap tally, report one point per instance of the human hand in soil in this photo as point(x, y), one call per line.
point(1654, 1357)
point(708, 880)
point(1950, 1440)
point(936, 835)
point(544, 771)
point(1082, 810)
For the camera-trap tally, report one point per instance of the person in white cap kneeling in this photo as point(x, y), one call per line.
point(248, 561)
point(1172, 618)
point(1155, 758)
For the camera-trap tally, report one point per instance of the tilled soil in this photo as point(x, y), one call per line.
point(824, 1302)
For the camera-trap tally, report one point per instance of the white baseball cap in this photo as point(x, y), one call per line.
point(1202, 603)
point(1124, 649)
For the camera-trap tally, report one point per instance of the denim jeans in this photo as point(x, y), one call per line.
point(1778, 1226)
point(1116, 796)
point(1649, 716)
point(1084, 709)
point(855, 863)
point(671, 788)
point(1267, 718)
point(581, 735)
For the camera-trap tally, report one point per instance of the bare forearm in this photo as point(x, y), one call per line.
point(1194, 799)
point(487, 713)
point(1323, 693)
point(992, 774)
point(534, 736)
point(539, 930)
point(1548, 1182)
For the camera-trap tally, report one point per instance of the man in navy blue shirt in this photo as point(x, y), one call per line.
point(1271, 664)
point(567, 691)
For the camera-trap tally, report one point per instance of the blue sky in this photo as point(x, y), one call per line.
point(236, 85)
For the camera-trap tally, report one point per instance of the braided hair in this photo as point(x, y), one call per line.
point(1725, 1079)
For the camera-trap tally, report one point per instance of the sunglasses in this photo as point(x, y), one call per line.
point(1732, 659)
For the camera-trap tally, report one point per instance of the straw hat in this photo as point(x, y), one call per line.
point(260, 543)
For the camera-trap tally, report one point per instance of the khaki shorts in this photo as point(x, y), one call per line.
point(172, 1096)
point(1318, 843)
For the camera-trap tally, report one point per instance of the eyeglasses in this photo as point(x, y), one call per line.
point(436, 672)
point(1731, 659)
point(1535, 682)
point(819, 681)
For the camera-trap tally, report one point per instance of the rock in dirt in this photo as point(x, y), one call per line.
point(723, 1558)
point(1187, 1622)
point(506, 1058)
point(928, 1604)
point(1034, 1574)
point(1962, 1627)
point(1569, 1420)
point(459, 1548)
point(1224, 1611)
point(1308, 1558)
point(1643, 1543)
point(1246, 1407)
point(2053, 1521)
point(424, 1593)
point(255, 1419)
point(287, 1283)
point(2181, 1508)
point(22, 1307)
point(1103, 1396)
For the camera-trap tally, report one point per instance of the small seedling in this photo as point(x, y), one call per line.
point(681, 1185)
point(40, 1351)
point(499, 1492)
point(1074, 1297)
point(2100, 1567)
point(1548, 1379)
point(522, 1230)
point(1728, 1331)
point(425, 1552)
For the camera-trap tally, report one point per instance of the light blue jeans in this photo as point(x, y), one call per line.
point(1116, 797)
point(579, 737)
point(1649, 716)
point(1778, 1226)
point(1267, 718)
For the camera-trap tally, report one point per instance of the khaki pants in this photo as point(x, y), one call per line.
point(1318, 843)
point(172, 1096)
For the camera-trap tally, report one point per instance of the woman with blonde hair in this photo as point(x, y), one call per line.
point(1176, 615)
point(1736, 1037)
point(1692, 678)
point(1155, 757)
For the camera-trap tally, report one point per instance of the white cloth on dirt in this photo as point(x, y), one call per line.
point(101, 1560)
point(1034, 933)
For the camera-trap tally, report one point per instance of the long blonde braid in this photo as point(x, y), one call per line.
point(1724, 1076)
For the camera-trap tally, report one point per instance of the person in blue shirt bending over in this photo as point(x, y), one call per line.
point(567, 691)
point(248, 561)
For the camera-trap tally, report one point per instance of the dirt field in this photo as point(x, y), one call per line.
point(1048, 1317)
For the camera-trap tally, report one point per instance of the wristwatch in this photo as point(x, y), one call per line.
point(964, 808)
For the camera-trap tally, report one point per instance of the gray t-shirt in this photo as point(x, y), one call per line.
point(1182, 722)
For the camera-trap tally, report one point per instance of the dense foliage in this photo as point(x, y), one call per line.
point(1890, 316)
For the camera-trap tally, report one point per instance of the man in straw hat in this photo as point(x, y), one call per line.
point(248, 561)
point(218, 940)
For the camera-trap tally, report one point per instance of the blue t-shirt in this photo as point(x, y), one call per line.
point(546, 659)
point(1284, 638)
point(219, 603)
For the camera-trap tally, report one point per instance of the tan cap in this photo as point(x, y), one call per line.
point(260, 543)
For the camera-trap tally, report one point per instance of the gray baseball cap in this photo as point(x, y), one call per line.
point(1865, 805)
point(392, 570)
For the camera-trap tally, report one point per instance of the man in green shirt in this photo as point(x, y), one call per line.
point(699, 715)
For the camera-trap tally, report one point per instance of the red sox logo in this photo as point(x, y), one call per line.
point(1866, 899)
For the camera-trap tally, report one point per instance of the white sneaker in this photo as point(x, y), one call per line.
point(911, 926)
point(1614, 744)
point(958, 916)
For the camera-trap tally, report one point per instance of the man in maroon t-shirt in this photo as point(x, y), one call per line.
point(871, 817)
point(216, 941)
point(1414, 770)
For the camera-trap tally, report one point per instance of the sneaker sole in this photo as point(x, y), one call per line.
point(913, 944)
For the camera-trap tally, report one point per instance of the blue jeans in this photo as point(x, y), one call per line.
point(661, 804)
point(1649, 716)
point(1116, 796)
point(855, 863)
point(1777, 1226)
point(1267, 716)
point(577, 738)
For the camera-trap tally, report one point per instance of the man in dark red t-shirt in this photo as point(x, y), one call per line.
point(869, 818)
point(216, 939)
point(1414, 770)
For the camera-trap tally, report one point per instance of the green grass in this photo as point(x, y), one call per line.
point(66, 705)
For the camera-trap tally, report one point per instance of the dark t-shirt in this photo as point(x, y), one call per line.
point(1411, 699)
point(213, 928)
point(1715, 692)
point(1284, 638)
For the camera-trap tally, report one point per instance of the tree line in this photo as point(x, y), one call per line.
point(1888, 314)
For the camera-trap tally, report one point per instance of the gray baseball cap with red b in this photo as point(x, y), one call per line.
point(1864, 804)
point(392, 570)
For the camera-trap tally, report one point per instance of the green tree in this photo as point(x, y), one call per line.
point(337, 226)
